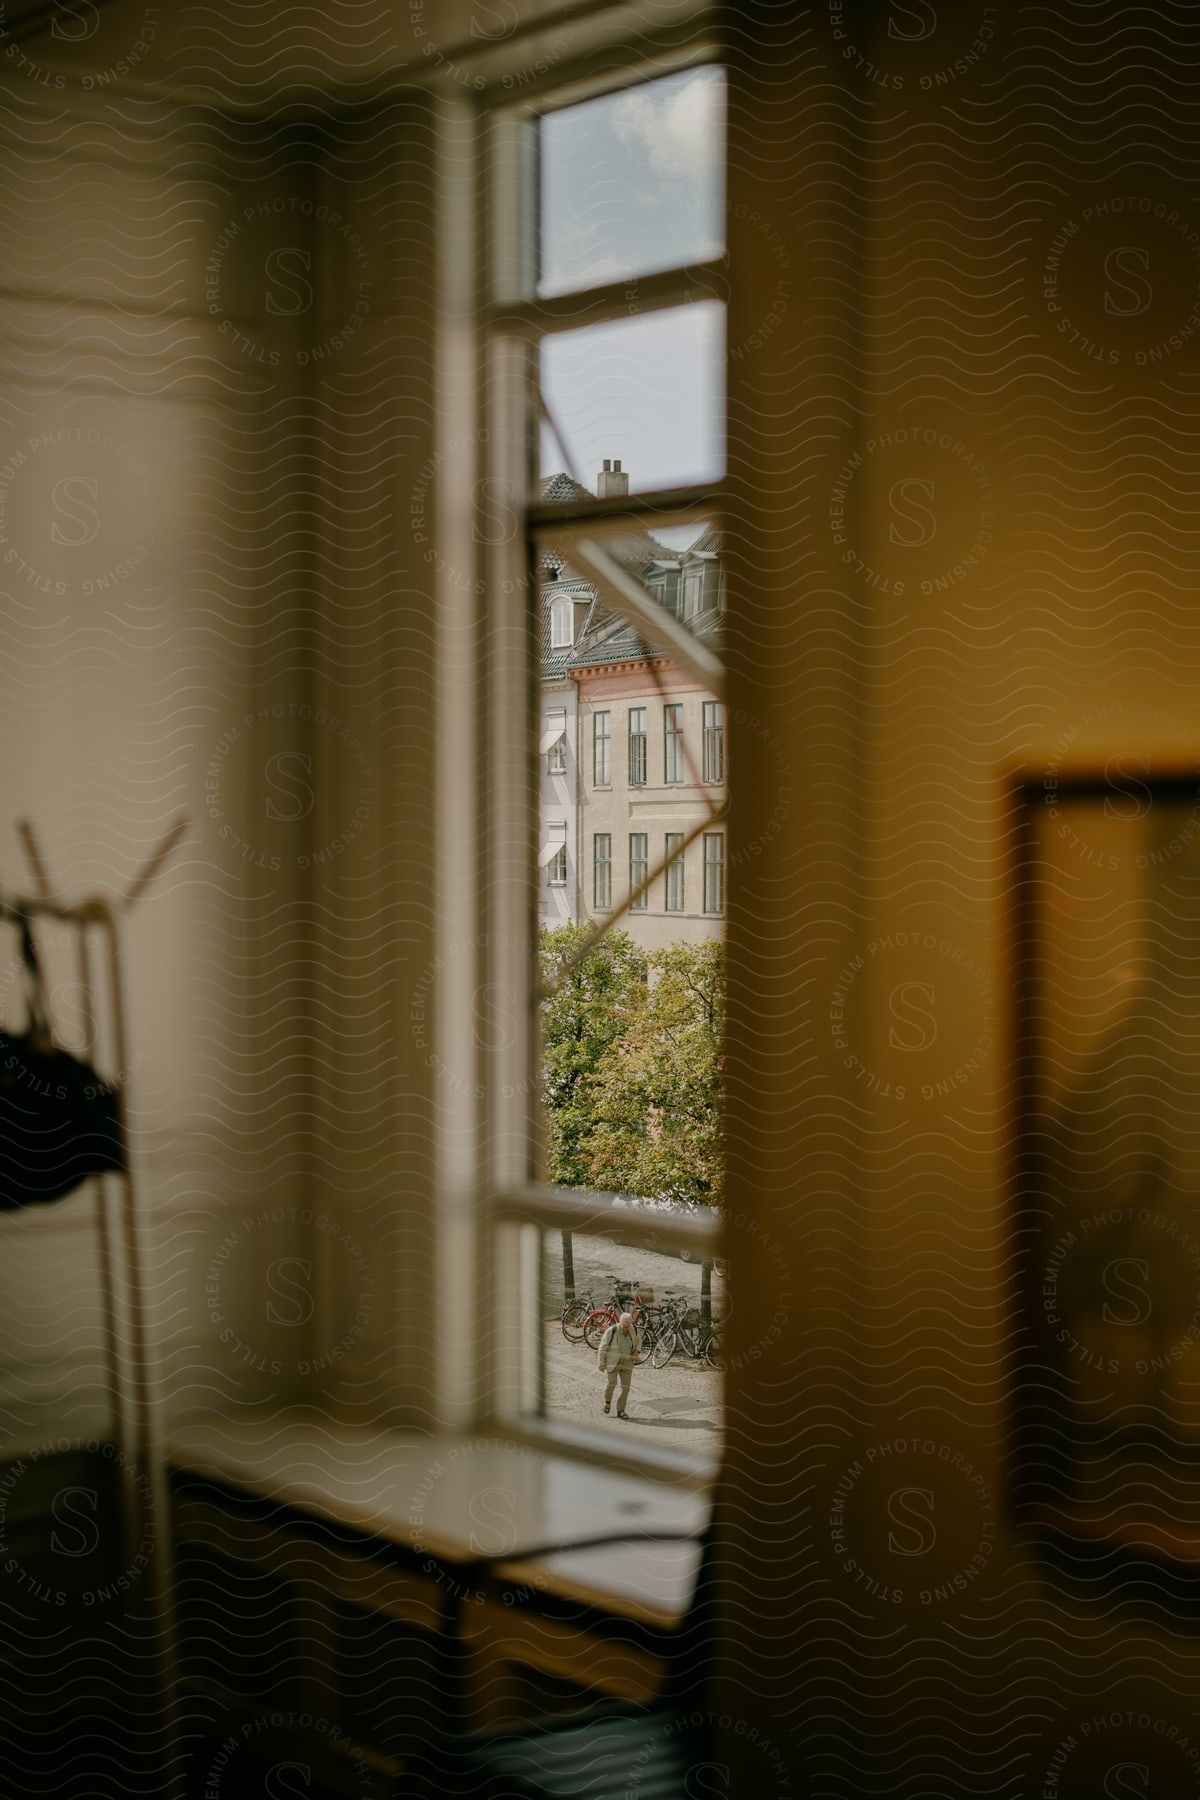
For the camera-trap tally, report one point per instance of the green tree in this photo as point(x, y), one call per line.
point(582, 1020)
point(653, 1102)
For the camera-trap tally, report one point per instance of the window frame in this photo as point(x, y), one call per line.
point(556, 755)
point(552, 879)
point(602, 740)
point(673, 736)
point(492, 1212)
point(714, 867)
point(674, 871)
point(641, 738)
point(693, 589)
point(602, 863)
point(562, 606)
point(712, 742)
point(639, 870)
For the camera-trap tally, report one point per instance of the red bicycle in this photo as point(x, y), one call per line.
point(601, 1317)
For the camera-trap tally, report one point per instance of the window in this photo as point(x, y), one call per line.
point(602, 870)
point(714, 871)
point(673, 897)
point(601, 749)
point(607, 406)
point(556, 868)
point(562, 624)
point(714, 742)
point(673, 742)
point(639, 867)
point(637, 746)
point(693, 591)
point(554, 741)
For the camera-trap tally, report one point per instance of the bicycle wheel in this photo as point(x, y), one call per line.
point(714, 1354)
point(574, 1317)
point(595, 1326)
point(663, 1347)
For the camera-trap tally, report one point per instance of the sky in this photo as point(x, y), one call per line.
point(631, 183)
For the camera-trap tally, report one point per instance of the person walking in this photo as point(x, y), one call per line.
point(619, 1350)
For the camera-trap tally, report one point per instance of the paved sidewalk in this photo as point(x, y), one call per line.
point(679, 1406)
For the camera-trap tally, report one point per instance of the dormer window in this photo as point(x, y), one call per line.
point(693, 589)
point(562, 625)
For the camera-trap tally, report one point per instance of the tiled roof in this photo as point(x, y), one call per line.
point(604, 636)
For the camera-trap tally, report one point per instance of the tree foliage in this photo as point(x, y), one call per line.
point(581, 1020)
point(633, 1068)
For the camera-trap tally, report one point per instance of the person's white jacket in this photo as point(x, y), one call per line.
point(616, 1348)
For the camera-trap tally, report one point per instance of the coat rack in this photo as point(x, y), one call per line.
point(128, 1330)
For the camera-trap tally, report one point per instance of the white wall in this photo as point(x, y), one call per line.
point(118, 705)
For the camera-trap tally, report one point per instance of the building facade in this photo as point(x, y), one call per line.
point(632, 752)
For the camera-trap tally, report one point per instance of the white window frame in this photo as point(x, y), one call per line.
point(556, 756)
point(493, 1213)
point(674, 872)
point(602, 748)
point(639, 870)
point(714, 873)
point(556, 868)
point(712, 743)
point(602, 864)
point(637, 770)
point(562, 608)
point(674, 760)
point(693, 593)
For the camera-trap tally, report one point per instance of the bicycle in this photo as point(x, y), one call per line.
point(626, 1299)
point(683, 1327)
point(574, 1316)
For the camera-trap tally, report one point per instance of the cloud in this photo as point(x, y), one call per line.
point(678, 130)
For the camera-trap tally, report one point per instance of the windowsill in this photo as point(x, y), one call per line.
point(421, 1492)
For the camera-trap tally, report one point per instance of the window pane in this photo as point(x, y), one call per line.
point(678, 1304)
point(639, 866)
point(674, 877)
point(632, 182)
point(646, 394)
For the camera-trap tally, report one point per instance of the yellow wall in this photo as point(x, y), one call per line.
point(968, 544)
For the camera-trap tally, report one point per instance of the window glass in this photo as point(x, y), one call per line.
point(561, 624)
point(678, 1304)
point(645, 392)
point(601, 749)
point(674, 877)
point(673, 742)
point(637, 746)
point(714, 872)
point(557, 866)
point(714, 742)
point(602, 870)
point(631, 999)
point(639, 866)
point(631, 183)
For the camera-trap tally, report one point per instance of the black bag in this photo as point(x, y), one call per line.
point(59, 1122)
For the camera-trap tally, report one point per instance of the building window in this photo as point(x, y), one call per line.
point(556, 868)
point(714, 741)
point(639, 867)
point(673, 742)
point(714, 871)
point(693, 590)
point(562, 625)
point(637, 746)
point(554, 742)
point(601, 749)
point(673, 899)
point(602, 870)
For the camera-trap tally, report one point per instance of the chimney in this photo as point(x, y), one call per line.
point(611, 480)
